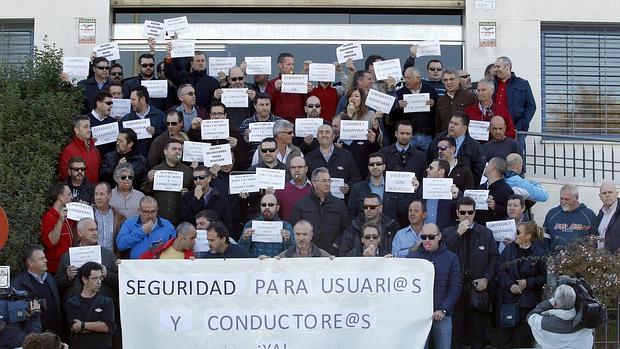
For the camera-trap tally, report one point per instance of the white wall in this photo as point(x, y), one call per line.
point(58, 19)
point(518, 33)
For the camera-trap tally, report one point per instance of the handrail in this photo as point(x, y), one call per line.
point(571, 137)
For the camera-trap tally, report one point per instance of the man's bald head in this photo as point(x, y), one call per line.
point(498, 128)
point(514, 162)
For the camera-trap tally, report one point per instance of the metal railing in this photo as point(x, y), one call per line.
point(608, 335)
point(585, 158)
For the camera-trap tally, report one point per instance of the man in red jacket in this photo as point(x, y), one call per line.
point(82, 145)
point(485, 109)
point(57, 232)
point(286, 105)
point(181, 247)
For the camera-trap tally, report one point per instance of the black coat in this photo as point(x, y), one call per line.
point(482, 256)
point(360, 151)
point(534, 271)
point(416, 162)
point(204, 84)
point(395, 205)
point(329, 220)
point(423, 122)
point(341, 164)
point(351, 239)
point(130, 83)
point(470, 153)
point(462, 176)
point(612, 235)
point(91, 88)
point(22, 282)
point(190, 206)
point(500, 192)
point(137, 161)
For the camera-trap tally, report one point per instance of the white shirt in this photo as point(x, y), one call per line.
point(602, 227)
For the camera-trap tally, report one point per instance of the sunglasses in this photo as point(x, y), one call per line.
point(267, 150)
point(265, 204)
point(116, 74)
point(173, 123)
point(370, 207)
point(147, 65)
point(103, 67)
point(373, 236)
point(78, 169)
point(373, 164)
point(435, 69)
point(313, 105)
point(428, 236)
point(442, 147)
point(200, 177)
point(237, 78)
point(462, 212)
point(108, 103)
point(127, 178)
point(287, 132)
point(465, 76)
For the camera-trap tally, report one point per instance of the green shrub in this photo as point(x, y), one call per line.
point(36, 109)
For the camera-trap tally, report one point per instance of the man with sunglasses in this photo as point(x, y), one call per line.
point(370, 245)
point(269, 208)
point(455, 99)
point(139, 233)
point(409, 236)
point(203, 197)
point(174, 126)
point(81, 189)
point(387, 227)
point(99, 81)
point(100, 115)
point(461, 174)
point(439, 211)
point(283, 133)
point(186, 94)
point(116, 73)
point(146, 68)
point(477, 251)
point(236, 79)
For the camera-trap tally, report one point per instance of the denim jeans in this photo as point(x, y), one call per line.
point(441, 332)
point(421, 141)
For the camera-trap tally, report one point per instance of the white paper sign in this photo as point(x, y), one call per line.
point(380, 101)
point(218, 155)
point(193, 151)
point(334, 187)
point(258, 65)
point(428, 48)
point(235, 97)
point(480, 197)
point(399, 182)
point(437, 188)
point(75, 67)
point(215, 129)
point(483, 178)
point(416, 102)
point(108, 50)
point(77, 211)
point(221, 64)
point(177, 25)
point(503, 229)
point(155, 30)
point(294, 83)
point(307, 126)
point(139, 126)
point(120, 107)
point(243, 182)
point(105, 133)
point(356, 130)
point(168, 181)
point(351, 50)
point(479, 130)
point(484, 4)
point(322, 72)
point(385, 69)
point(260, 131)
point(268, 177)
point(202, 244)
point(78, 256)
point(156, 88)
point(267, 231)
point(5, 276)
point(183, 48)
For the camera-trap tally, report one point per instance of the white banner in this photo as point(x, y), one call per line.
point(139, 126)
point(156, 88)
point(155, 30)
point(351, 50)
point(479, 130)
point(108, 50)
point(385, 69)
point(214, 129)
point(120, 107)
point(416, 102)
point(399, 182)
point(168, 180)
point(183, 48)
point(105, 133)
point(322, 72)
point(193, 151)
point(380, 101)
point(221, 64)
point(258, 65)
point(300, 303)
point(235, 97)
point(354, 130)
point(294, 83)
point(307, 126)
point(78, 210)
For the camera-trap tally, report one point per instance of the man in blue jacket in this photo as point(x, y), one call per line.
point(516, 95)
point(447, 285)
point(570, 221)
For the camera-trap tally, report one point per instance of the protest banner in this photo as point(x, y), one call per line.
point(301, 303)
point(385, 69)
point(105, 133)
point(416, 102)
point(82, 254)
point(258, 65)
point(351, 50)
point(168, 180)
point(294, 83)
point(503, 229)
point(399, 182)
point(221, 64)
point(214, 129)
point(380, 101)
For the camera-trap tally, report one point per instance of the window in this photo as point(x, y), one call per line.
point(581, 79)
point(16, 41)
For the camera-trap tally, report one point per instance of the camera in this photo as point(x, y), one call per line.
point(590, 313)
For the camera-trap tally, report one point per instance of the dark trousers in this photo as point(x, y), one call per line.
point(468, 323)
point(519, 336)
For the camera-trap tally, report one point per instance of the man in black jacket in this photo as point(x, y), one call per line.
point(477, 251)
point(126, 152)
point(401, 156)
point(499, 192)
point(609, 216)
point(327, 214)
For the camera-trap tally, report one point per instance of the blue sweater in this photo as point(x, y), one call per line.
point(562, 227)
point(447, 287)
point(131, 236)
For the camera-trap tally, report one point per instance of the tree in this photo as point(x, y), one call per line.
point(36, 109)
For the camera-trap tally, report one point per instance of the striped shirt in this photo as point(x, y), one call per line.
point(127, 206)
